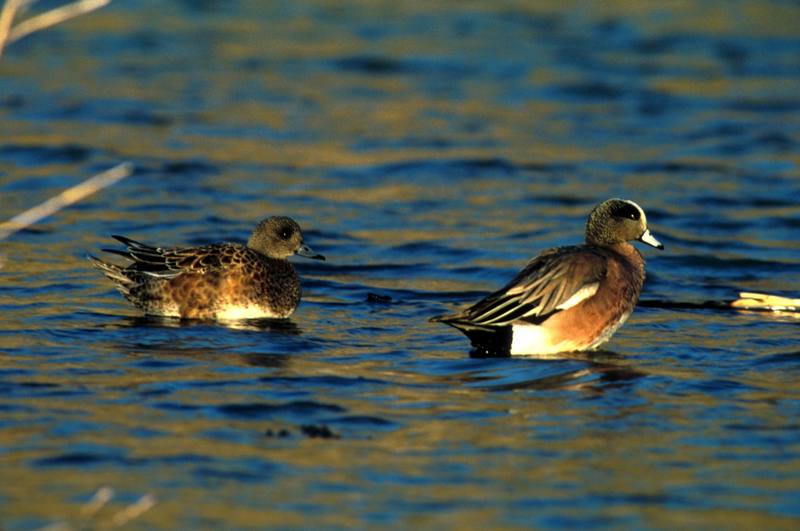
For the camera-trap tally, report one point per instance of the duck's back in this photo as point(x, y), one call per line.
point(221, 281)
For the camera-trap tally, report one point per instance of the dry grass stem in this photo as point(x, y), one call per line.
point(10, 9)
point(98, 501)
point(65, 198)
point(53, 17)
point(9, 34)
point(144, 504)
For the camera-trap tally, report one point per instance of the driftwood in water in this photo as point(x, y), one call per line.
point(746, 301)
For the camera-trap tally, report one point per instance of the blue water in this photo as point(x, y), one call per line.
point(428, 150)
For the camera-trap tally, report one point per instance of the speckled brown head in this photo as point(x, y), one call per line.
point(618, 220)
point(280, 237)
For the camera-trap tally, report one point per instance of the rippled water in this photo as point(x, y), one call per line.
point(428, 149)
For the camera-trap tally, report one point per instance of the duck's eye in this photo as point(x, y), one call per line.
point(626, 210)
point(285, 233)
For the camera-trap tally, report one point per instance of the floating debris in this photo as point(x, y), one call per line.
point(375, 297)
point(319, 432)
point(764, 301)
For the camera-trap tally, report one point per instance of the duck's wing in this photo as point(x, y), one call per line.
point(553, 281)
point(167, 263)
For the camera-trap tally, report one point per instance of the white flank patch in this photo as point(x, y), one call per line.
point(536, 340)
point(579, 296)
point(531, 339)
point(234, 313)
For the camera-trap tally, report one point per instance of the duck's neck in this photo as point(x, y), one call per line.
point(630, 253)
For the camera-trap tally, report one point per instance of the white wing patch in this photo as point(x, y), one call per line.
point(581, 295)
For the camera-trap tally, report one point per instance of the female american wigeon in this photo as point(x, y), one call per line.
point(566, 298)
point(219, 281)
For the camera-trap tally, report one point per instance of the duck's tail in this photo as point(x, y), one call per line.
point(115, 273)
point(487, 340)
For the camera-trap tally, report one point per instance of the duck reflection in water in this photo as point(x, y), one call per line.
point(188, 344)
point(278, 326)
point(596, 372)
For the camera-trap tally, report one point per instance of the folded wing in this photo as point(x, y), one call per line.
point(553, 281)
point(167, 263)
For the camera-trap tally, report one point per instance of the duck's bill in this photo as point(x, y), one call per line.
point(649, 239)
point(306, 252)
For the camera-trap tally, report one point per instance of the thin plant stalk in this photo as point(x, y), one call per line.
point(10, 33)
point(65, 198)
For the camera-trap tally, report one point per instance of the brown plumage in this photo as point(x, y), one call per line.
point(567, 298)
point(219, 281)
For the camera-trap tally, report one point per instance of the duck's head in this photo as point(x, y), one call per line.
point(280, 237)
point(618, 220)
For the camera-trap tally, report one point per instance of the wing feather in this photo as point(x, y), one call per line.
point(553, 278)
point(166, 263)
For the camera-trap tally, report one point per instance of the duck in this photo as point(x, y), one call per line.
point(221, 281)
point(566, 299)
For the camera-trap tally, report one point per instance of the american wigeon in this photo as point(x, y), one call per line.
point(218, 281)
point(566, 298)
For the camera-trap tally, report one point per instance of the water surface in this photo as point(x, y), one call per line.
point(429, 150)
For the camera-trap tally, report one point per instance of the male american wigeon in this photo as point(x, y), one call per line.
point(566, 298)
point(219, 281)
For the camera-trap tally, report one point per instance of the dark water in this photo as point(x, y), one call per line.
point(428, 149)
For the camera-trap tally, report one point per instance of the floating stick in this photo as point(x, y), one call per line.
point(765, 301)
point(762, 302)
